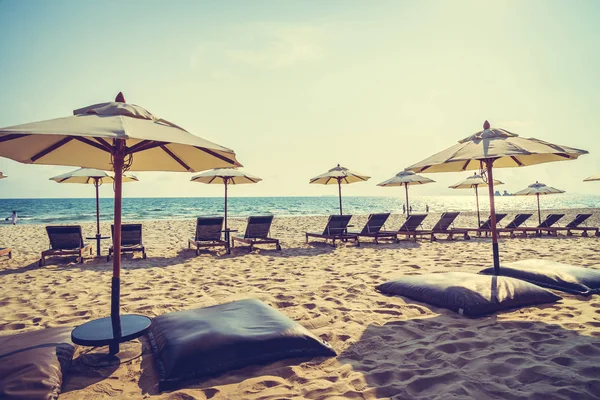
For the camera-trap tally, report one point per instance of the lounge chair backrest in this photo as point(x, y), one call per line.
point(412, 223)
point(578, 220)
point(488, 223)
point(518, 221)
point(258, 227)
point(65, 237)
point(445, 221)
point(550, 220)
point(337, 224)
point(209, 228)
point(375, 223)
point(131, 234)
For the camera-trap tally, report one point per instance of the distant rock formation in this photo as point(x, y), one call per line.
point(497, 193)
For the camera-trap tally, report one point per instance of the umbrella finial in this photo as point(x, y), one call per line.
point(486, 124)
point(120, 98)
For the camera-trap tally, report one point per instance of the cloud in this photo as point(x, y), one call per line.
point(270, 46)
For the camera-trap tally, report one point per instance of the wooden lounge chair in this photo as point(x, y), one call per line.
point(208, 234)
point(65, 240)
point(131, 240)
point(409, 227)
point(575, 226)
point(6, 251)
point(257, 232)
point(444, 227)
point(336, 229)
point(373, 228)
point(486, 226)
point(517, 221)
point(546, 225)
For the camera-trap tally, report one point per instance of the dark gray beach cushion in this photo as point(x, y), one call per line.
point(208, 341)
point(32, 363)
point(468, 294)
point(553, 275)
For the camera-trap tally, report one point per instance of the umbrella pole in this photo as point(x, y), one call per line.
point(539, 213)
point(97, 184)
point(226, 230)
point(118, 161)
point(489, 163)
point(477, 200)
point(340, 194)
point(407, 206)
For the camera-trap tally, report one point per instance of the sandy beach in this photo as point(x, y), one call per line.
point(388, 347)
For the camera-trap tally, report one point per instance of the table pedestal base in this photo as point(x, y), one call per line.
point(100, 357)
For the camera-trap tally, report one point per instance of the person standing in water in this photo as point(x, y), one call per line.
point(13, 218)
point(403, 209)
point(426, 207)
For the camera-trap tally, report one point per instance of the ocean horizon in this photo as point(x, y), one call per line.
point(77, 210)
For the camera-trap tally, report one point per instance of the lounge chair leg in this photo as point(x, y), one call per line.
point(278, 246)
point(466, 236)
point(584, 234)
point(306, 238)
point(433, 238)
point(41, 262)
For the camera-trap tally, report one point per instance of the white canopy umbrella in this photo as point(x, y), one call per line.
point(473, 182)
point(94, 177)
point(2, 176)
point(538, 189)
point(494, 147)
point(339, 176)
point(406, 178)
point(592, 178)
point(113, 136)
point(225, 176)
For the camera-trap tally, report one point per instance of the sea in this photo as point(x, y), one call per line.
point(75, 210)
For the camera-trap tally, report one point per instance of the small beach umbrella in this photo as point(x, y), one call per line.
point(538, 189)
point(94, 177)
point(115, 136)
point(499, 148)
point(592, 178)
point(339, 176)
point(473, 182)
point(225, 176)
point(406, 179)
point(2, 176)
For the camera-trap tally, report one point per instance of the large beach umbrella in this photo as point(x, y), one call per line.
point(339, 176)
point(473, 182)
point(538, 189)
point(592, 178)
point(115, 136)
point(96, 177)
point(225, 176)
point(406, 179)
point(499, 148)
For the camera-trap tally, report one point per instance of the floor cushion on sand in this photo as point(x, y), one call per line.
point(208, 341)
point(32, 363)
point(468, 294)
point(553, 275)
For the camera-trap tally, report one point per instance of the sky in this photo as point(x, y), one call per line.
point(296, 87)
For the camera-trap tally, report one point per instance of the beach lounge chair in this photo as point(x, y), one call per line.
point(486, 226)
point(131, 240)
point(336, 229)
point(575, 226)
point(208, 234)
point(517, 221)
point(444, 227)
point(257, 232)
point(65, 240)
point(373, 228)
point(409, 227)
point(546, 225)
point(6, 251)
